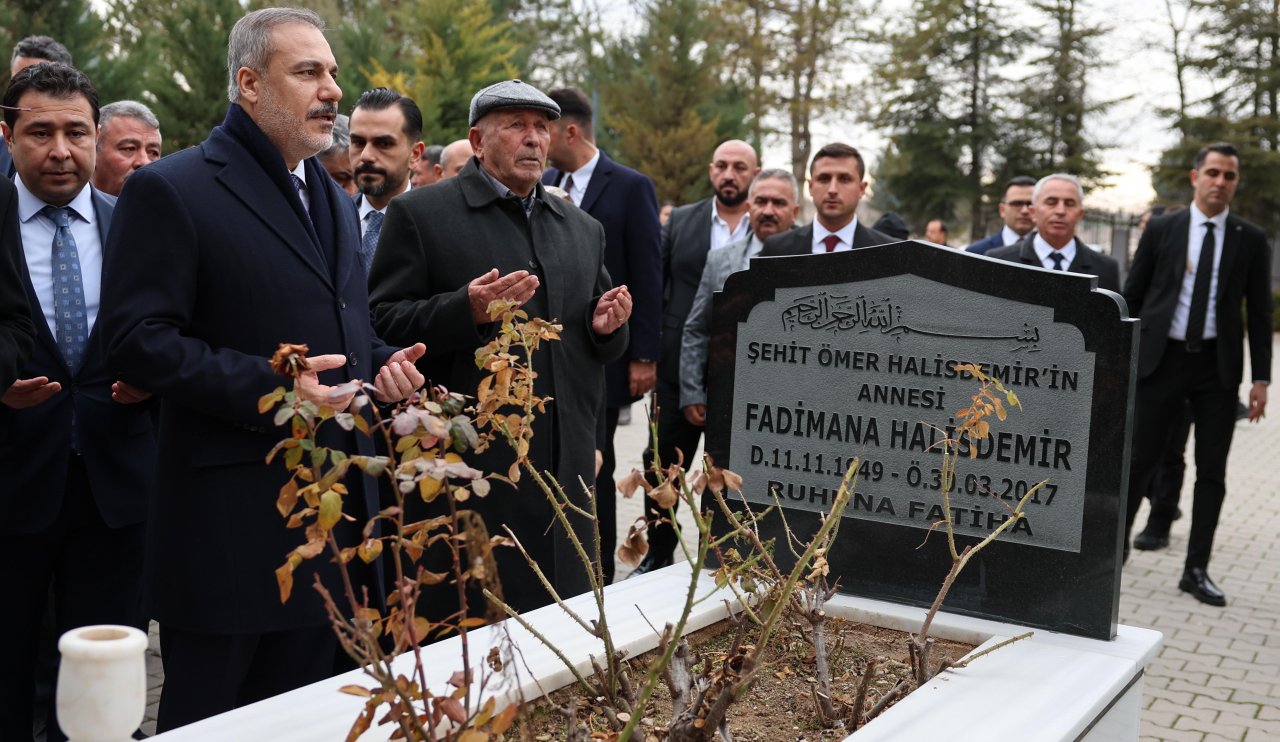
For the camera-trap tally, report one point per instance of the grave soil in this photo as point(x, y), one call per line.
point(780, 704)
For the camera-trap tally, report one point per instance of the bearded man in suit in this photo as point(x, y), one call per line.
point(1192, 274)
point(218, 254)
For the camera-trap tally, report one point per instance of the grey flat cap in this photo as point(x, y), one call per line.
point(511, 94)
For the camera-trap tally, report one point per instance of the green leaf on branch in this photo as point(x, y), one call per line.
point(330, 509)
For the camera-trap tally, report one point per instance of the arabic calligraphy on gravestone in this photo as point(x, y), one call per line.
point(868, 369)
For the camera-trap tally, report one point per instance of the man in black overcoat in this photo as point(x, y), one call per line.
point(446, 251)
point(217, 255)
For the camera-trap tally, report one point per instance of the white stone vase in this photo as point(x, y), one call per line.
point(102, 683)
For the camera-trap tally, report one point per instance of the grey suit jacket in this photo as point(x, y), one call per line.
point(1086, 261)
point(697, 328)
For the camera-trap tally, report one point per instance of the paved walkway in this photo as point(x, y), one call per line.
point(1218, 675)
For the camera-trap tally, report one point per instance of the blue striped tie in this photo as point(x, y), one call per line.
point(68, 289)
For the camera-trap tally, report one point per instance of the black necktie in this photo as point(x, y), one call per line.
point(1200, 290)
point(1056, 257)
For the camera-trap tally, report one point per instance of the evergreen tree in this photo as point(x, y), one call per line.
point(1057, 99)
point(181, 49)
point(457, 47)
point(941, 86)
point(659, 101)
point(1241, 56)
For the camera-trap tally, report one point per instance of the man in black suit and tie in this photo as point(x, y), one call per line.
point(1191, 274)
point(76, 445)
point(689, 235)
point(837, 180)
point(385, 135)
point(626, 205)
point(222, 252)
point(1058, 207)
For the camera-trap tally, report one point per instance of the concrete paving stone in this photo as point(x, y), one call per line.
point(1154, 719)
point(1268, 711)
point(1211, 737)
point(1191, 722)
point(1179, 699)
point(1210, 667)
point(1243, 710)
point(1171, 735)
point(1173, 653)
point(1204, 715)
point(1198, 683)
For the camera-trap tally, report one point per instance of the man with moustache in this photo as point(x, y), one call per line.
point(837, 180)
point(491, 233)
point(1058, 207)
point(774, 203)
point(128, 138)
point(222, 252)
point(385, 131)
point(690, 234)
point(1192, 274)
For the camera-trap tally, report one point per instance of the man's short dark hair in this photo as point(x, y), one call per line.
point(53, 79)
point(380, 99)
point(41, 47)
point(840, 151)
point(1223, 148)
point(432, 154)
point(1017, 180)
point(576, 107)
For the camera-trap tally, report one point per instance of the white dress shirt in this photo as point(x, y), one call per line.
point(1195, 238)
point(1044, 250)
point(581, 179)
point(1008, 236)
point(37, 245)
point(721, 234)
point(845, 234)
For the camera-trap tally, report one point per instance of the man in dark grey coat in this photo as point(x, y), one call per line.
point(446, 251)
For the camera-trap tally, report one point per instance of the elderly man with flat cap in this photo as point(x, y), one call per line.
point(446, 251)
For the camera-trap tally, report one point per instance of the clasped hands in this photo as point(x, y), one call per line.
point(611, 312)
point(395, 381)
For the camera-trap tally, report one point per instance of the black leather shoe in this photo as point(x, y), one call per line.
point(1152, 538)
point(652, 561)
point(1196, 581)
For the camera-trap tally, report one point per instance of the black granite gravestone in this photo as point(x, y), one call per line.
point(818, 359)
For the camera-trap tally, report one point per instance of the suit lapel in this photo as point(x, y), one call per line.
point(599, 180)
point(246, 181)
